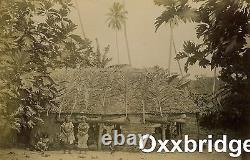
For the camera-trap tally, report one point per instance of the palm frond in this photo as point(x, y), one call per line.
point(116, 16)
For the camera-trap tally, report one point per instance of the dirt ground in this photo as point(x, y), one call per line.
point(16, 154)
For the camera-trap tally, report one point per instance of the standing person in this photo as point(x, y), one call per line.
point(82, 135)
point(67, 134)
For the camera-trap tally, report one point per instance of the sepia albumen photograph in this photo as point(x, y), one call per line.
point(124, 79)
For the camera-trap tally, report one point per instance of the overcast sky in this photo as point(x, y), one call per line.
point(147, 47)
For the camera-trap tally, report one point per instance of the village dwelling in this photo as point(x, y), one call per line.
point(131, 101)
point(133, 123)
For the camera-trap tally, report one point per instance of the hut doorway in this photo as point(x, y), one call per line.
point(93, 135)
point(162, 133)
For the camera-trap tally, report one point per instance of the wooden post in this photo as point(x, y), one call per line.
point(143, 112)
point(163, 132)
point(181, 130)
point(198, 126)
point(126, 96)
point(214, 83)
point(99, 145)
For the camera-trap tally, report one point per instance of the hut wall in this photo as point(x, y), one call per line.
point(134, 126)
point(8, 137)
point(136, 129)
point(49, 127)
point(191, 128)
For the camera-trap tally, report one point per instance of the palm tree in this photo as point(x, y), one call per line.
point(80, 19)
point(175, 11)
point(126, 39)
point(127, 44)
point(116, 20)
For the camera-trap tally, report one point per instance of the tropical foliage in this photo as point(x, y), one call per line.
point(101, 59)
point(35, 38)
point(223, 27)
point(175, 11)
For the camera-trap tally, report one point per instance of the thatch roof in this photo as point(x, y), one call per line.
point(105, 91)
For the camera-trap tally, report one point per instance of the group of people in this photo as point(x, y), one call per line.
point(67, 135)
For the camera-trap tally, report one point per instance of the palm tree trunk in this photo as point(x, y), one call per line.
point(178, 61)
point(117, 47)
point(170, 48)
point(79, 17)
point(127, 44)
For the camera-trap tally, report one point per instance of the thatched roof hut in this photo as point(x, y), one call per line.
point(122, 91)
point(132, 100)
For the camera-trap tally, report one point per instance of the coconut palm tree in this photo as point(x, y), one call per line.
point(116, 20)
point(175, 11)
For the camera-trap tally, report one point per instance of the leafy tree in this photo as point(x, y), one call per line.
point(203, 85)
point(175, 11)
point(201, 92)
point(35, 38)
point(223, 27)
point(116, 20)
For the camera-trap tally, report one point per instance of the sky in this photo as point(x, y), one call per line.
point(148, 48)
